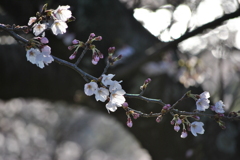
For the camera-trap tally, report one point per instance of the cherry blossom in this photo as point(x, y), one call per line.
point(39, 28)
point(111, 107)
point(32, 20)
point(218, 108)
point(116, 100)
point(90, 88)
point(59, 27)
point(117, 97)
point(32, 54)
point(101, 94)
point(114, 85)
point(197, 127)
point(205, 94)
point(203, 102)
point(39, 57)
point(107, 79)
point(62, 13)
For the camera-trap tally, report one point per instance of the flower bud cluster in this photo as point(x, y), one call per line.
point(76, 45)
point(165, 109)
point(112, 59)
point(145, 84)
point(195, 127)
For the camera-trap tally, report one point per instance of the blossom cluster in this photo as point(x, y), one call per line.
point(96, 54)
point(40, 54)
point(203, 103)
point(111, 91)
point(195, 127)
point(53, 19)
point(37, 51)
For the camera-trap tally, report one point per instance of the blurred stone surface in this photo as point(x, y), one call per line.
point(40, 130)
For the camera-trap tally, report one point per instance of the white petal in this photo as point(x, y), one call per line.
point(111, 107)
point(90, 88)
point(101, 94)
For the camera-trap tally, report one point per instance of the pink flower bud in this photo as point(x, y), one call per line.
point(148, 80)
point(71, 47)
point(100, 55)
point(184, 134)
point(111, 50)
point(167, 106)
point(44, 40)
point(73, 56)
point(125, 105)
point(176, 128)
point(179, 121)
point(75, 41)
point(159, 119)
point(135, 115)
point(92, 35)
point(196, 117)
point(94, 62)
point(129, 123)
point(99, 38)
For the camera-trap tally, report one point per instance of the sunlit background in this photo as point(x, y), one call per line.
point(210, 59)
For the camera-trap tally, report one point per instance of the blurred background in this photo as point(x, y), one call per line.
point(45, 114)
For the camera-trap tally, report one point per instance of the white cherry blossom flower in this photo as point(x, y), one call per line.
point(32, 20)
point(111, 107)
point(203, 102)
point(107, 79)
point(39, 57)
point(32, 55)
point(59, 27)
point(114, 85)
point(205, 94)
point(90, 88)
point(101, 94)
point(62, 13)
point(197, 127)
point(117, 97)
point(218, 108)
point(47, 58)
point(39, 28)
point(116, 100)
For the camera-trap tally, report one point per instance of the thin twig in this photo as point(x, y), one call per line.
point(158, 101)
point(81, 56)
point(85, 75)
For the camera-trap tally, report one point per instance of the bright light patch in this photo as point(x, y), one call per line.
point(182, 13)
point(178, 29)
point(155, 22)
point(208, 10)
point(237, 40)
